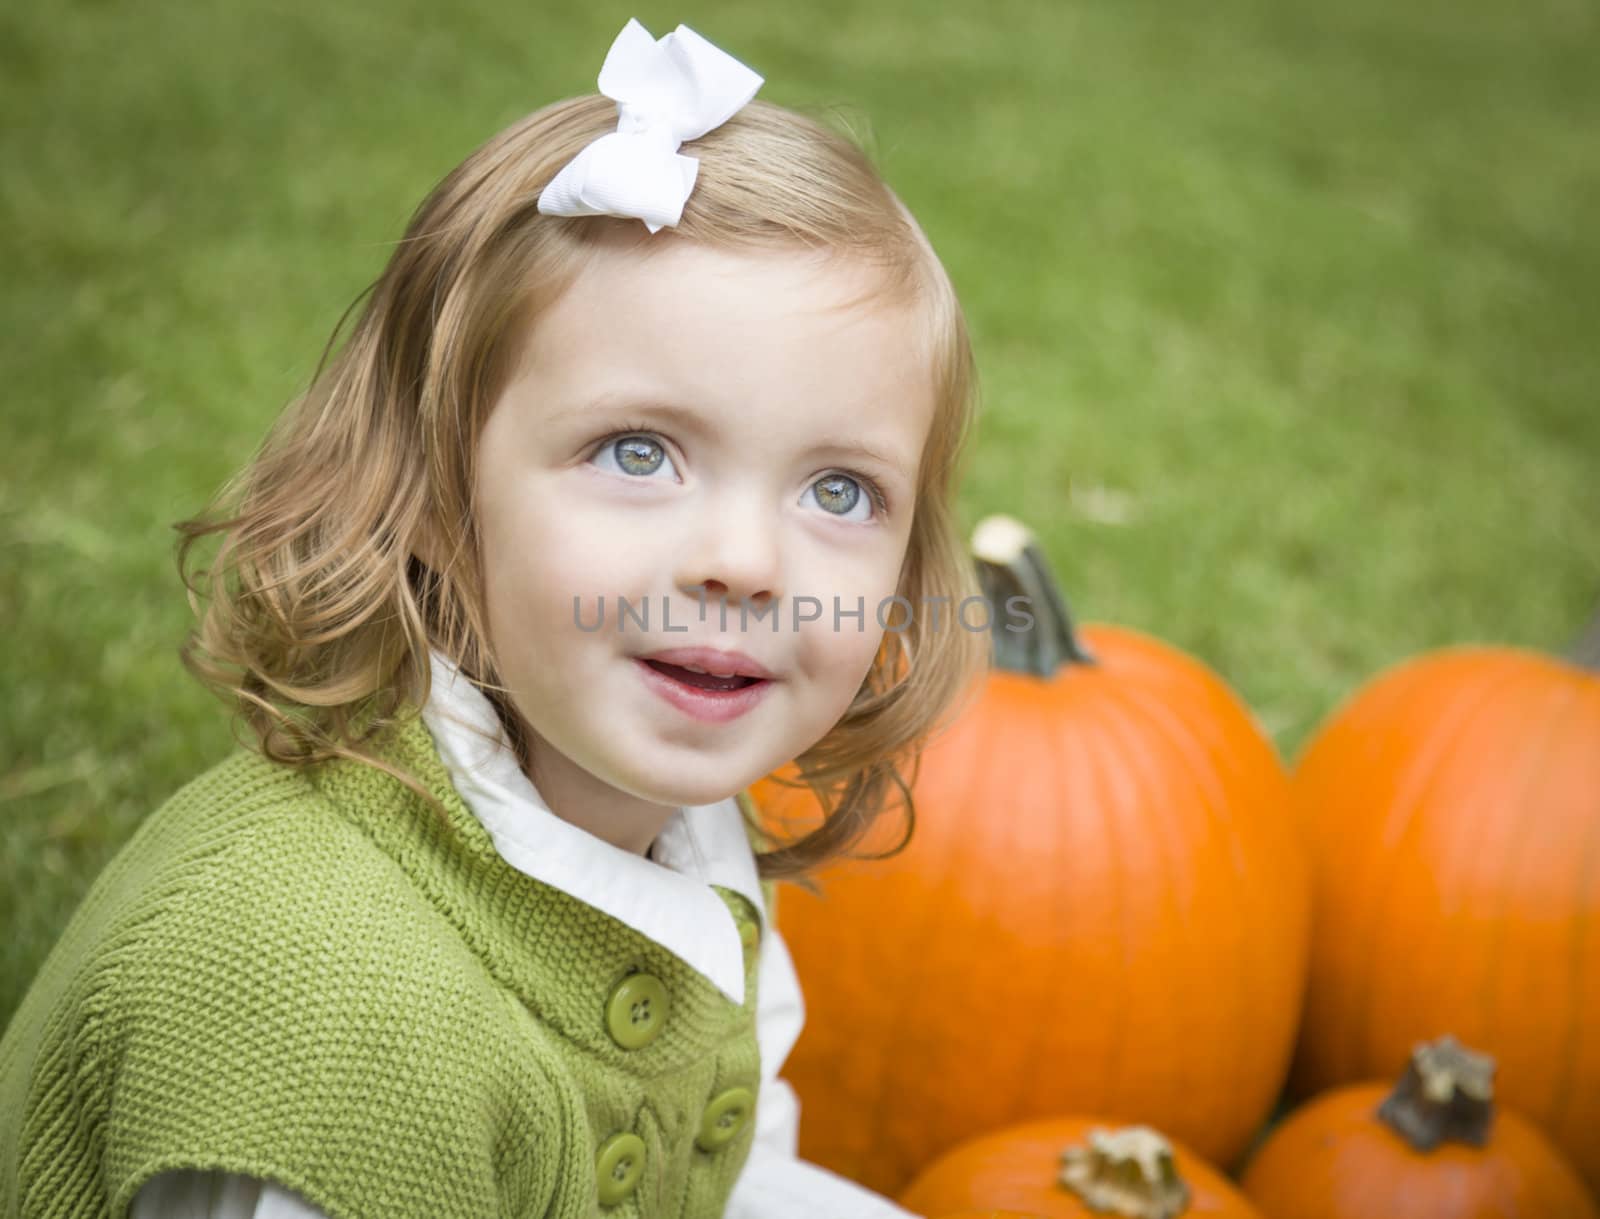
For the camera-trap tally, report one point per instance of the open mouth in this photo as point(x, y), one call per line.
point(702, 681)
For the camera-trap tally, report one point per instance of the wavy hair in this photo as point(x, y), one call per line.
point(320, 611)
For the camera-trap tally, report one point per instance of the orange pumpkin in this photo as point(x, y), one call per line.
point(1103, 909)
point(1453, 808)
point(1433, 1147)
point(1073, 1168)
point(989, 1215)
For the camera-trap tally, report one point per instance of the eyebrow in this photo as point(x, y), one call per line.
point(691, 420)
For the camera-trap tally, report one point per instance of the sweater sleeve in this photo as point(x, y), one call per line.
point(193, 1194)
point(775, 1183)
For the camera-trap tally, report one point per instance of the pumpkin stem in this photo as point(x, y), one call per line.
point(1446, 1094)
point(1126, 1172)
point(1586, 651)
point(1010, 564)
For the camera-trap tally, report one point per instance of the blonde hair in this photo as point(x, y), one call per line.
point(321, 615)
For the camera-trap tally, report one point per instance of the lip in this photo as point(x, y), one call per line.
point(713, 661)
point(710, 706)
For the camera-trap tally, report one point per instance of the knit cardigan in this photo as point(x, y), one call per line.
point(306, 975)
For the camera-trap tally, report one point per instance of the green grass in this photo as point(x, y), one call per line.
point(1286, 314)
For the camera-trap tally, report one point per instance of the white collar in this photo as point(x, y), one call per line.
point(666, 898)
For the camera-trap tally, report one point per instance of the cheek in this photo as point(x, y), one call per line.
point(866, 581)
point(531, 571)
point(840, 654)
point(536, 542)
point(828, 563)
point(838, 670)
point(533, 582)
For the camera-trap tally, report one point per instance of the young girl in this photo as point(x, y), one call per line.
point(632, 483)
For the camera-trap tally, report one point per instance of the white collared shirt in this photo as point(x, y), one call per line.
point(665, 896)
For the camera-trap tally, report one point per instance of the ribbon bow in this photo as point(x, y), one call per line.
point(666, 92)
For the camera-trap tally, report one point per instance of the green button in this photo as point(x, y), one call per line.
point(637, 1011)
point(618, 1167)
point(724, 1117)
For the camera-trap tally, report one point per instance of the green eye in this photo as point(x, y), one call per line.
point(639, 454)
point(837, 493)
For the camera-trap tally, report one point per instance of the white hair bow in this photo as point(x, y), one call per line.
point(666, 92)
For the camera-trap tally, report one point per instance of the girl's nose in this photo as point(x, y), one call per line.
point(734, 557)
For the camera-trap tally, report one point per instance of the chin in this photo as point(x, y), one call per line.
point(694, 797)
point(681, 794)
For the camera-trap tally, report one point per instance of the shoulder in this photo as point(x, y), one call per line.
point(255, 985)
point(246, 903)
point(169, 859)
point(275, 908)
point(248, 867)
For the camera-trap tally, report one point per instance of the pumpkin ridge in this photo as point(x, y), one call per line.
point(1572, 1039)
point(1104, 804)
point(1013, 847)
point(1083, 796)
point(997, 734)
point(1118, 696)
point(1066, 755)
point(1418, 778)
point(920, 981)
point(1580, 941)
point(1469, 855)
point(1343, 1006)
point(1215, 824)
point(1542, 742)
point(1223, 828)
point(1464, 859)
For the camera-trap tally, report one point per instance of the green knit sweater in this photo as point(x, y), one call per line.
point(305, 976)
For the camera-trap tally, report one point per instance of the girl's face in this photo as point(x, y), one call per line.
point(695, 428)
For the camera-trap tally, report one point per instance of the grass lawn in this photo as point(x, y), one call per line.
point(1287, 316)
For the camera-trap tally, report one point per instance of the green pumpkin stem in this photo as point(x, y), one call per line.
point(1126, 1172)
point(1445, 1095)
point(1586, 651)
point(1010, 564)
